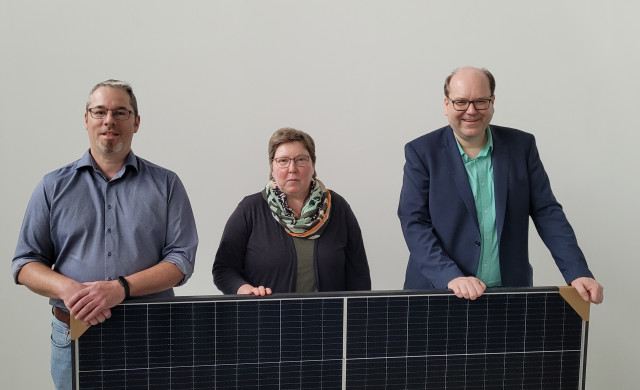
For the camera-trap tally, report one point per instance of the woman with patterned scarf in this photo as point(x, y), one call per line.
point(293, 236)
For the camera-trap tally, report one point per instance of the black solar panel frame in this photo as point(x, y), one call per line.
point(432, 356)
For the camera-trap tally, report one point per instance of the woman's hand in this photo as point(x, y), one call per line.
point(248, 289)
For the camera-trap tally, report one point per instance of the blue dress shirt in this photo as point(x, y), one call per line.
point(89, 228)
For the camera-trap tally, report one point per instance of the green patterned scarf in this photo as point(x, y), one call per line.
point(314, 215)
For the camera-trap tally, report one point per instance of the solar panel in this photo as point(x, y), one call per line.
point(506, 339)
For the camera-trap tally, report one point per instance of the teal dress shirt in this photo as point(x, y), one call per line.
point(480, 174)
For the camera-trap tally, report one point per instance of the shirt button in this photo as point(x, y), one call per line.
point(109, 230)
point(109, 207)
point(477, 243)
point(109, 254)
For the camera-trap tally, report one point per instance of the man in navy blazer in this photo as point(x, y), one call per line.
point(468, 191)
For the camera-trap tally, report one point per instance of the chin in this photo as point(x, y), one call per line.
point(473, 130)
point(111, 148)
point(294, 192)
point(290, 191)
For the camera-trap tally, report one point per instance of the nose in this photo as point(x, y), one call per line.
point(472, 108)
point(109, 118)
point(292, 166)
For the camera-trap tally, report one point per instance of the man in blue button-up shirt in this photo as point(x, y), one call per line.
point(108, 226)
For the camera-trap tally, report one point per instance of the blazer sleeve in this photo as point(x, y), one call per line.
point(229, 261)
point(551, 222)
point(428, 260)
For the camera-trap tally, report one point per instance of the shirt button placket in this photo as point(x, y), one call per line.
point(109, 239)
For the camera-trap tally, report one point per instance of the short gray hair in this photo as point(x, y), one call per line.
point(116, 84)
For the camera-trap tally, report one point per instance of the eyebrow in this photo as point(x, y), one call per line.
point(117, 108)
point(300, 155)
point(468, 100)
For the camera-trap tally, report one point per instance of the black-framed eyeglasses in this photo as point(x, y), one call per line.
point(300, 161)
point(120, 114)
point(478, 104)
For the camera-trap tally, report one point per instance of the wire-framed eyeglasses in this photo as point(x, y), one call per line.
point(478, 104)
point(300, 161)
point(120, 114)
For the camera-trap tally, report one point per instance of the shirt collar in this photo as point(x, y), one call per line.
point(87, 161)
point(486, 150)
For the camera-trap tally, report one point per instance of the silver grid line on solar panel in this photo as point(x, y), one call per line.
point(342, 352)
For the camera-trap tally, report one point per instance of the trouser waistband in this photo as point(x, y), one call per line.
point(61, 315)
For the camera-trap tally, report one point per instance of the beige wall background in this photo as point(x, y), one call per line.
point(214, 79)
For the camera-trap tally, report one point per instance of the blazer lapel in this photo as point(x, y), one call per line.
point(500, 161)
point(459, 173)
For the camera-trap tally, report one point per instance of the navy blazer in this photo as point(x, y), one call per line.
point(438, 213)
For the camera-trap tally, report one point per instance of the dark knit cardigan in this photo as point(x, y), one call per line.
point(255, 249)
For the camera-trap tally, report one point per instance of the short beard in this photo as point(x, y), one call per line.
point(110, 147)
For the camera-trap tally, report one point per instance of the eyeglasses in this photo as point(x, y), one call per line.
point(478, 104)
point(300, 161)
point(120, 114)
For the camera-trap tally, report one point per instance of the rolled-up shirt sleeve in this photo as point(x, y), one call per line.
point(182, 237)
point(34, 241)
